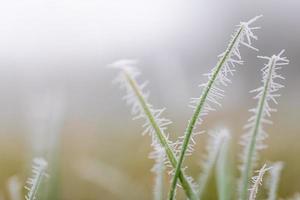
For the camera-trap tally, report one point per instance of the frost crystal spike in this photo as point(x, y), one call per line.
point(32, 184)
point(257, 181)
point(255, 134)
point(155, 125)
point(212, 90)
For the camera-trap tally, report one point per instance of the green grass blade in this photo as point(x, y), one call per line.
point(212, 92)
point(213, 148)
point(33, 183)
point(273, 181)
point(161, 137)
point(154, 124)
point(253, 139)
point(224, 174)
point(257, 181)
point(158, 169)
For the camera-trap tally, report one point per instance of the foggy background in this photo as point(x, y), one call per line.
point(54, 79)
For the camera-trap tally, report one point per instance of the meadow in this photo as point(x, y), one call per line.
point(156, 124)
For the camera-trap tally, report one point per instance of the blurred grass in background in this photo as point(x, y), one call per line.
point(62, 48)
point(86, 150)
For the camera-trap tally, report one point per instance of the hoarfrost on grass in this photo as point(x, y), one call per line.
point(38, 173)
point(216, 140)
point(255, 134)
point(155, 125)
point(257, 181)
point(213, 91)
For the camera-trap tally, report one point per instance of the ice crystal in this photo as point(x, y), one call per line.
point(257, 181)
point(32, 184)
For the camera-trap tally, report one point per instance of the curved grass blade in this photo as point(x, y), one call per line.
point(224, 173)
point(213, 148)
point(158, 169)
point(257, 181)
point(39, 171)
point(154, 125)
point(273, 181)
point(253, 139)
point(212, 92)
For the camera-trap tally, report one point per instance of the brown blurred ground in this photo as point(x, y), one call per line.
point(126, 151)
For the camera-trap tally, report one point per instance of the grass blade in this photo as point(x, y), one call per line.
point(253, 139)
point(158, 169)
point(212, 91)
point(39, 171)
point(274, 180)
point(154, 125)
point(224, 174)
point(213, 148)
point(257, 181)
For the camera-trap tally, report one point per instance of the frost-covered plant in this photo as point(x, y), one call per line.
point(266, 95)
point(217, 138)
point(45, 119)
point(173, 153)
point(158, 169)
point(154, 124)
point(273, 180)
point(212, 90)
point(257, 181)
point(38, 173)
point(223, 170)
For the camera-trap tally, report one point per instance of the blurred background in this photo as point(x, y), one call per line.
point(58, 101)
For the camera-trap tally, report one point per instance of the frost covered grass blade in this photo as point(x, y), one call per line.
point(39, 172)
point(216, 141)
point(158, 170)
point(212, 90)
point(266, 95)
point(154, 125)
point(257, 181)
point(273, 180)
point(224, 173)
